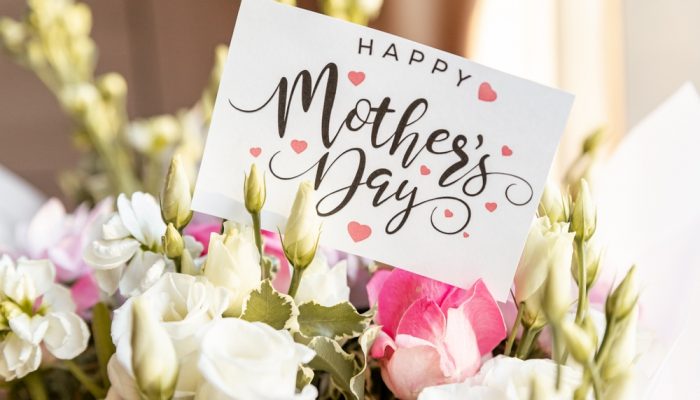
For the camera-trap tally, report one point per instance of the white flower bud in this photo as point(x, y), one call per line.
point(153, 356)
point(77, 20)
point(173, 244)
point(583, 217)
point(112, 85)
point(623, 350)
point(303, 228)
point(553, 204)
point(254, 190)
point(177, 197)
point(624, 298)
point(579, 344)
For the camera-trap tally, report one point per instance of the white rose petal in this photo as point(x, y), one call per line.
point(322, 284)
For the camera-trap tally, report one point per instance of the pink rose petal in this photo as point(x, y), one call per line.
point(411, 369)
point(424, 320)
point(380, 345)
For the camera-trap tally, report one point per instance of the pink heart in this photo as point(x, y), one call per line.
point(356, 77)
point(486, 93)
point(491, 206)
point(506, 151)
point(299, 146)
point(424, 170)
point(358, 232)
point(448, 213)
point(465, 235)
point(255, 151)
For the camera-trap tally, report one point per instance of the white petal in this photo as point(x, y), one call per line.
point(29, 329)
point(108, 279)
point(42, 273)
point(46, 227)
point(129, 219)
point(123, 383)
point(114, 228)
point(67, 335)
point(59, 299)
point(193, 246)
point(20, 356)
point(148, 216)
point(141, 273)
point(107, 254)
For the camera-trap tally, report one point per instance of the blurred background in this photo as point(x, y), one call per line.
point(620, 58)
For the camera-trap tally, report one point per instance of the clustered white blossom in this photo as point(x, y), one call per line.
point(35, 313)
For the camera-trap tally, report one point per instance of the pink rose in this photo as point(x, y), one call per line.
point(201, 227)
point(432, 333)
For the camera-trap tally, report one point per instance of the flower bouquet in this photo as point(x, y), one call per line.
point(134, 297)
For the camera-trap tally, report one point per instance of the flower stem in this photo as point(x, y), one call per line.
point(259, 244)
point(582, 295)
point(101, 326)
point(514, 330)
point(35, 386)
point(84, 380)
point(294, 284)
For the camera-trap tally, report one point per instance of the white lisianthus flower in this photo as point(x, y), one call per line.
point(507, 378)
point(261, 363)
point(184, 305)
point(34, 311)
point(128, 254)
point(325, 285)
point(548, 245)
point(233, 263)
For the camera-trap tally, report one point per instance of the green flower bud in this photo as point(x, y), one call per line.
point(583, 218)
point(187, 265)
point(579, 344)
point(173, 244)
point(592, 260)
point(153, 356)
point(624, 298)
point(254, 190)
point(177, 197)
point(303, 228)
point(553, 205)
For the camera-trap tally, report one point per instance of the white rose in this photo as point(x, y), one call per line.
point(251, 360)
point(324, 285)
point(185, 305)
point(506, 378)
point(233, 263)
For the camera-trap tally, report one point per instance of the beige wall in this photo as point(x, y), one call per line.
point(662, 51)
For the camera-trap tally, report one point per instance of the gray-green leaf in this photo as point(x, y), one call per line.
point(331, 358)
point(267, 305)
point(339, 321)
point(304, 376)
point(357, 382)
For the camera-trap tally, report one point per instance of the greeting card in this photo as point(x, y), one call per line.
point(420, 159)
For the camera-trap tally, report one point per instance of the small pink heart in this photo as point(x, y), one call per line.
point(506, 151)
point(424, 170)
point(358, 232)
point(486, 93)
point(491, 206)
point(465, 235)
point(356, 77)
point(448, 213)
point(299, 146)
point(255, 151)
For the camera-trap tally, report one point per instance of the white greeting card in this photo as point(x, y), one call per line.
point(421, 159)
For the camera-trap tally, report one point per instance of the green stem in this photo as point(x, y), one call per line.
point(582, 295)
point(514, 330)
point(597, 384)
point(35, 386)
point(85, 380)
point(606, 343)
point(259, 243)
point(101, 326)
point(294, 284)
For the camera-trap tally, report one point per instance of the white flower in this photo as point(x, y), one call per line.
point(251, 360)
point(506, 378)
point(233, 263)
point(128, 254)
point(35, 311)
point(184, 305)
point(325, 285)
point(303, 228)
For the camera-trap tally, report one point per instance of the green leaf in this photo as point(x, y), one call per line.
point(267, 305)
point(339, 321)
point(357, 382)
point(331, 358)
point(304, 376)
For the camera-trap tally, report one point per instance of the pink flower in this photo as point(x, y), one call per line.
point(60, 237)
point(432, 333)
point(273, 247)
point(201, 227)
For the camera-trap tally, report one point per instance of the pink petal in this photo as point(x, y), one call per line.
point(201, 232)
point(483, 314)
point(400, 290)
point(462, 345)
point(375, 284)
point(273, 247)
point(379, 347)
point(410, 370)
point(424, 320)
point(85, 293)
